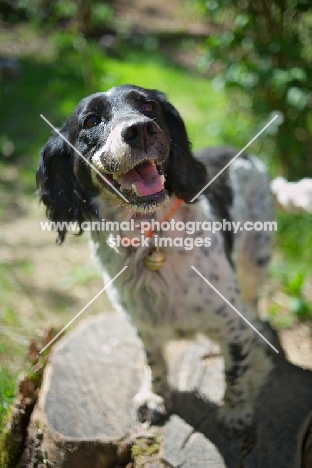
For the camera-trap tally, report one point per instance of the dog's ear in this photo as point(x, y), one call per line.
point(186, 176)
point(57, 185)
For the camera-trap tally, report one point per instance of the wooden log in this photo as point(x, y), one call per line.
point(84, 415)
point(183, 446)
point(84, 405)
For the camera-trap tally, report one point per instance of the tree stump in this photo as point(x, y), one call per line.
point(84, 416)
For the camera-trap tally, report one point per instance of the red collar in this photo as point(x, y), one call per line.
point(178, 203)
point(149, 233)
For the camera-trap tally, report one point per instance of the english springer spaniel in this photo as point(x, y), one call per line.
point(143, 169)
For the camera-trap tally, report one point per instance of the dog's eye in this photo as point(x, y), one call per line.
point(147, 106)
point(91, 121)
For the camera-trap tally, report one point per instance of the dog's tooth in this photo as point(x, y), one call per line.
point(134, 188)
point(162, 178)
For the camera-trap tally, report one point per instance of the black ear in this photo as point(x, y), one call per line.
point(57, 185)
point(186, 176)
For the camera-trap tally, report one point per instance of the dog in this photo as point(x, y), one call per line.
point(125, 155)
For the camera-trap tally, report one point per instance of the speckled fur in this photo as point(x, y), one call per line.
point(163, 305)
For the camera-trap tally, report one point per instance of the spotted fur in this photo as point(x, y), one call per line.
point(173, 301)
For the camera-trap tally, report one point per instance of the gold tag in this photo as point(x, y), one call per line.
point(155, 260)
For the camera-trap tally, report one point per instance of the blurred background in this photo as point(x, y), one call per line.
point(228, 67)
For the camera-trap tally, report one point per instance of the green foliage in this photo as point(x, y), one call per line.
point(77, 15)
point(294, 239)
point(279, 319)
point(7, 389)
point(9, 447)
point(264, 49)
point(292, 285)
point(294, 268)
point(292, 301)
point(144, 448)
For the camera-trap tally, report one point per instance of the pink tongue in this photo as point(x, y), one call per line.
point(146, 179)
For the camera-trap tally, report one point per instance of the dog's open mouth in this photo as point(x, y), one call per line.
point(143, 185)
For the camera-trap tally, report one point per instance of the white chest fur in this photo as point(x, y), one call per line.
point(175, 295)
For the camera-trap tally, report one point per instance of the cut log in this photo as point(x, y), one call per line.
point(84, 415)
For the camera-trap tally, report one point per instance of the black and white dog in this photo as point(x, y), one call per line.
point(137, 142)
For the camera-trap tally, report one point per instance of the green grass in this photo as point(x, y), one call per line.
point(7, 391)
point(292, 267)
point(295, 239)
point(79, 277)
point(144, 448)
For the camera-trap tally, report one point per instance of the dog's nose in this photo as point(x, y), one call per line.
point(140, 135)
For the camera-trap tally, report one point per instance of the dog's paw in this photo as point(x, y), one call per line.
point(235, 421)
point(149, 407)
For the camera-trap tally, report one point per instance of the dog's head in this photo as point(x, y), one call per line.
point(129, 140)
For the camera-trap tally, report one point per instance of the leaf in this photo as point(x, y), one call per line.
point(241, 20)
point(299, 306)
point(212, 6)
point(294, 284)
point(298, 74)
point(297, 98)
point(280, 79)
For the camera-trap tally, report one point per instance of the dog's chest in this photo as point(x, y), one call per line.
point(175, 296)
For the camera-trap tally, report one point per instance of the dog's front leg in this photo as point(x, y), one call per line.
point(152, 401)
